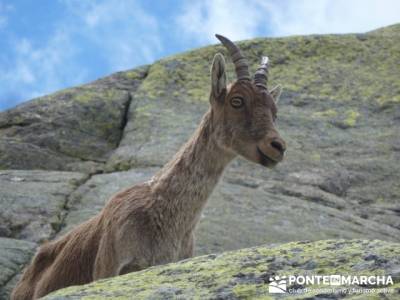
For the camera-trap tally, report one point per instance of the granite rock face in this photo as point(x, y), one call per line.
point(63, 155)
point(246, 273)
point(33, 202)
point(74, 129)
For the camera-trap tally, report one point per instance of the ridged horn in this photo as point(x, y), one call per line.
point(241, 65)
point(261, 75)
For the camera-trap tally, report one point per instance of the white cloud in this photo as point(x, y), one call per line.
point(44, 68)
point(244, 19)
point(128, 36)
point(237, 19)
point(291, 17)
point(119, 32)
point(4, 10)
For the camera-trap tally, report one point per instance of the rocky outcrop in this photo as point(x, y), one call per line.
point(63, 155)
point(245, 274)
point(74, 129)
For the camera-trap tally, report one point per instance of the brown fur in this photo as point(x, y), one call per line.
point(153, 223)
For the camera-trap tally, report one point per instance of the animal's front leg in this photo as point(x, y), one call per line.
point(187, 249)
point(123, 251)
point(106, 263)
point(128, 267)
point(109, 263)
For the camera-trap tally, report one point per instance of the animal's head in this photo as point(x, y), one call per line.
point(245, 111)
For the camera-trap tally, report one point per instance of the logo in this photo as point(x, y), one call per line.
point(298, 284)
point(277, 285)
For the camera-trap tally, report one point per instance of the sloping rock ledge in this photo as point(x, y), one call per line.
point(244, 274)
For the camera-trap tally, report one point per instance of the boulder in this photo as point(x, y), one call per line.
point(247, 273)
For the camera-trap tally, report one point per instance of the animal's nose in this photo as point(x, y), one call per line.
point(279, 145)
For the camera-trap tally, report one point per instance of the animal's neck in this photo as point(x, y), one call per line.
point(184, 184)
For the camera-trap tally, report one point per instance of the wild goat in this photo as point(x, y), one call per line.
point(153, 223)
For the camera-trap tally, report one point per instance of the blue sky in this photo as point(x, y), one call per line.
point(47, 45)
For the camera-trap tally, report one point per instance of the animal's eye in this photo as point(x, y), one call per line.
point(237, 102)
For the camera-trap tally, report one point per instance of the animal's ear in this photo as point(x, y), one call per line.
point(276, 92)
point(218, 77)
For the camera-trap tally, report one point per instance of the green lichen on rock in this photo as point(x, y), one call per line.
point(351, 118)
point(244, 274)
point(338, 67)
point(329, 113)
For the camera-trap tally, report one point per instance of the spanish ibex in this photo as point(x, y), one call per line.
point(152, 223)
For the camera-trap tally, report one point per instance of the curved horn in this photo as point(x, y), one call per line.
point(241, 66)
point(261, 75)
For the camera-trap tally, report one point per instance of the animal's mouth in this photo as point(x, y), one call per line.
point(265, 160)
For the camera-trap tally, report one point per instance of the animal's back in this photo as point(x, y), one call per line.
point(45, 256)
point(61, 263)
